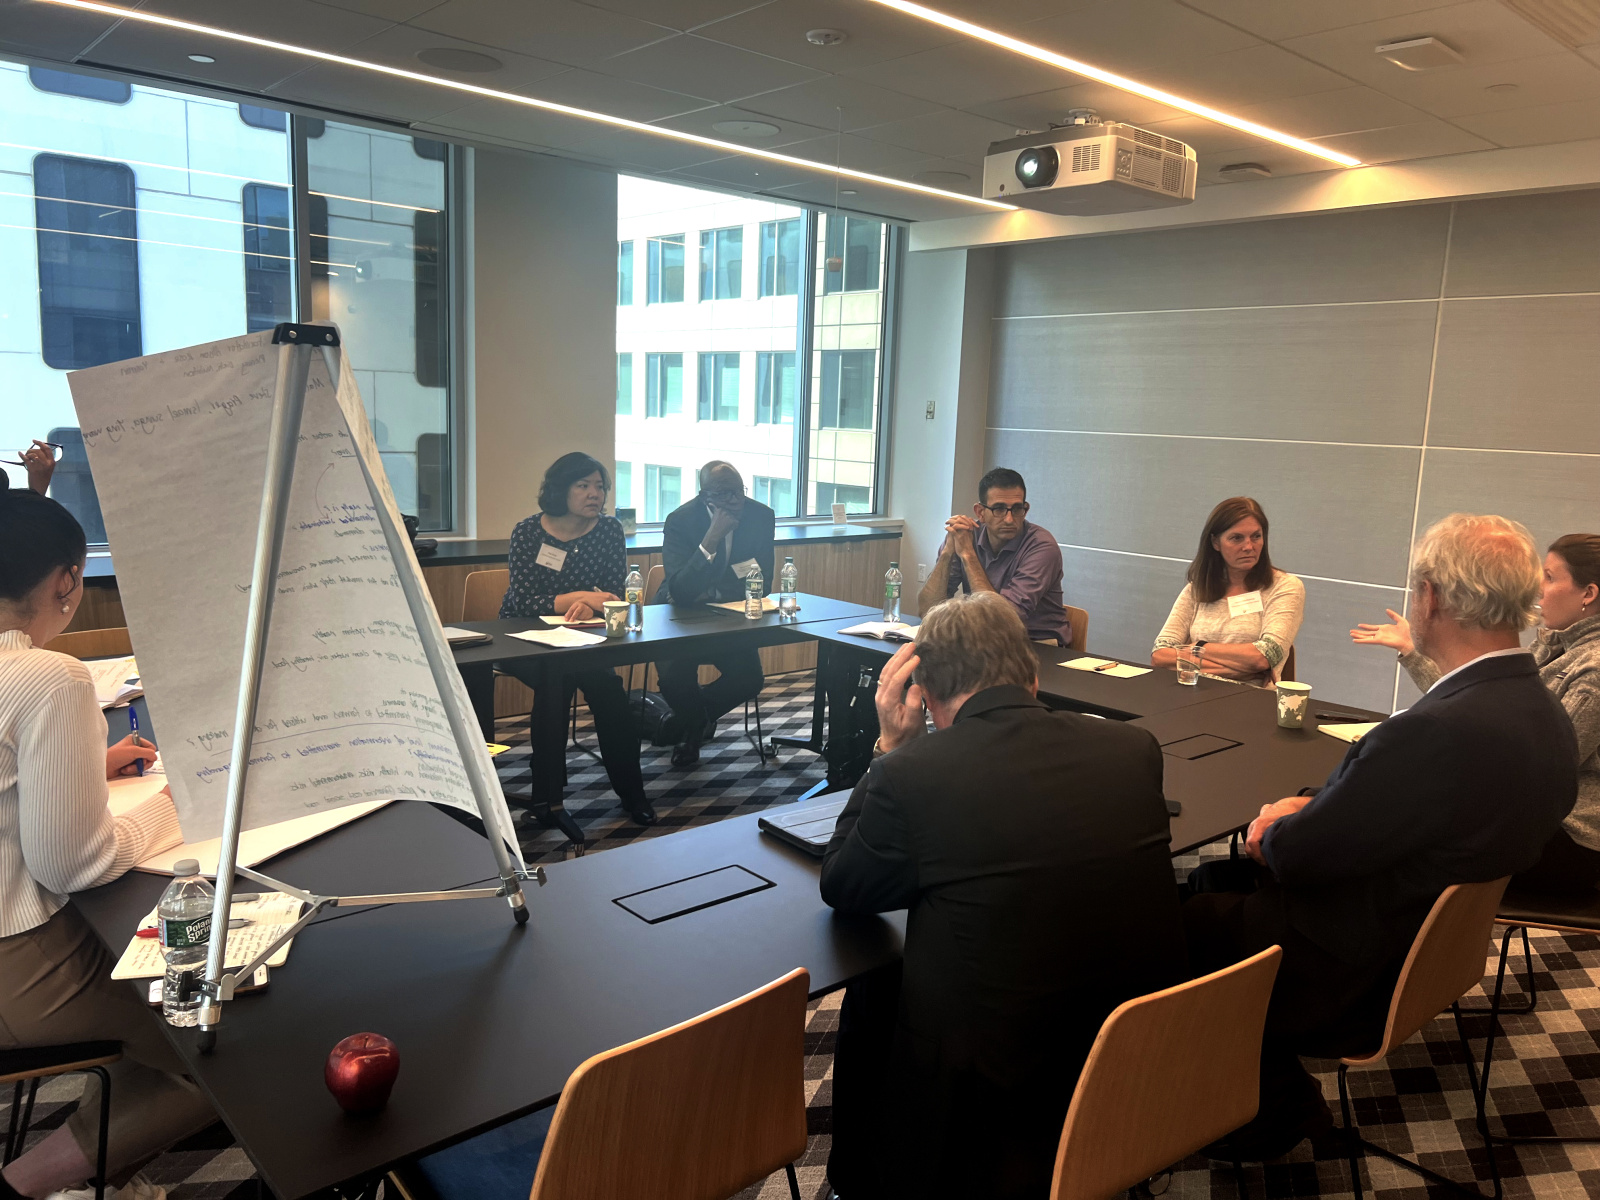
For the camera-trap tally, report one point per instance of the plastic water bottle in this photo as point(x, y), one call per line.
point(752, 592)
point(891, 593)
point(633, 593)
point(788, 589)
point(184, 917)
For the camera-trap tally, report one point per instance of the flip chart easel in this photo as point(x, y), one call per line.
point(295, 345)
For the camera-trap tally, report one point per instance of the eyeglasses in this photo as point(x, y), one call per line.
point(726, 493)
point(17, 460)
point(1001, 510)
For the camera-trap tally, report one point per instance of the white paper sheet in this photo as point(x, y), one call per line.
point(887, 631)
point(116, 680)
point(769, 604)
point(1349, 733)
point(269, 916)
point(1106, 666)
point(559, 638)
point(349, 712)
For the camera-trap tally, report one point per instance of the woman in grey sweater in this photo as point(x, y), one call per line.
point(1567, 649)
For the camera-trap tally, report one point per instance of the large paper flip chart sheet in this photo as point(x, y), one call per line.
point(349, 711)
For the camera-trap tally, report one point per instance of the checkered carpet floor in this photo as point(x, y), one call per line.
point(1546, 1076)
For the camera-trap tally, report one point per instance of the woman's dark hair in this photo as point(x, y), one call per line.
point(1208, 573)
point(37, 536)
point(563, 473)
point(1581, 553)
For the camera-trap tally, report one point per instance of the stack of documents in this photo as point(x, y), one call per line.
point(1349, 733)
point(116, 681)
point(885, 631)
point(561, 639)
point(269, 914)
point(465, 637)
point(1106, 666)
point(769, 604)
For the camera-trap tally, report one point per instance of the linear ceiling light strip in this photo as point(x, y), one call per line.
point(128, 14)
point(1120, 82)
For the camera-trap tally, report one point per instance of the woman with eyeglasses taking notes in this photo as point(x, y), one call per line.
point(1238, 614)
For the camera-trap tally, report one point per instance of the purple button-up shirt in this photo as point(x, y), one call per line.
point(1027, 572)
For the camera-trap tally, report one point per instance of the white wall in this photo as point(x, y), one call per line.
point(543, 328)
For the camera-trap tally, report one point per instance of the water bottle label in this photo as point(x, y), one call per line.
point(891, 591)
point(194, 932)
point(634, 596)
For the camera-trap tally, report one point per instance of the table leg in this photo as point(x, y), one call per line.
point(819, 706)
point(479, 680)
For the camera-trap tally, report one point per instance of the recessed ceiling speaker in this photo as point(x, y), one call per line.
point(941, 178)
point(465, 62)
point(761, 129)
point(1420, 54)
point(826, 37)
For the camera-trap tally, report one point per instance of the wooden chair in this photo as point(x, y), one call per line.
point(653, 579)
point(484, 590)
point(27, 1066)
point(1169, 1073)
point(93, 643)
point(1445, 963)
point(1080, 629)
point(696, 1112)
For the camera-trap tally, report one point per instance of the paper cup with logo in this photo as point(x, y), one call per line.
point(1293, 699)
point(616, 617)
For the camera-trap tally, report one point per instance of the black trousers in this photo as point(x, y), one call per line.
point(1321, 1006)
point(547, 732)
point(1564, 868)
point(741, 679)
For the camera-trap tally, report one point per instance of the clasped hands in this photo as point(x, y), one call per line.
point(1263, 822)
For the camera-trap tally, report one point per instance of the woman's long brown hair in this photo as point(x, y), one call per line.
point(1208, 573)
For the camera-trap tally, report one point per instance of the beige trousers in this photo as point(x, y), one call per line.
point(56, 988)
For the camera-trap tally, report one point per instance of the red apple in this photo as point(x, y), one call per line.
point(361, 1070)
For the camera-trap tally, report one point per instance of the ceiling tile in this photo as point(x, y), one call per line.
point(948, 133)
point(679, 14)
point(1421, 139)
point(1546, 79)
point(1574, 121)
point(1482, 30)
point(875, 33)
point(1250, 76)
point(1342, 110)
point(513, 123)
point(752, 174)
point(1138, 38)
point(685, 63)
point(165, 52)
point(1275, 20)
point(642, 152)
point(298, 22)
point(364, 93)
point(965, 73)
point(702, 121)
point(389, 10)
point(838, 101)
point(944, 172)
point(1043, 109)
point(399, 45)
point(879, 200)
point(559, 30)
point(615, 97)
point(854, 152)
point(46, 31)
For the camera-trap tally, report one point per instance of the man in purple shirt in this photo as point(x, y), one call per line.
point(997, 550)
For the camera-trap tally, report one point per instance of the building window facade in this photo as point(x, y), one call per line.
point(664, 277)
point(624, 272)
point(622, 493)
point(780, 257)
point(854, 254)
point(776, 494)
point(268, 257)
point(721, 264)
point(719, 387)
point(85, 87)
point(663, 491)
point(625, 385)
point(663, 384)
point(775, 388)
point(88, 261)
point(848, 379)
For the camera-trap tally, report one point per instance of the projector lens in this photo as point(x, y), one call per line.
point(1037, 167)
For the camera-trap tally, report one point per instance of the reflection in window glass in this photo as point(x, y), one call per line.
point(855, 498)
point(85, 87)
point(378, 233)
point(624, 272)
point(88, 261)
point(853, 254)
point(663, 385)
point(624, 385)
point(663, 488)
point(780, 257)
point(622, 494)
point(721, 263)
point(847, 387)
point(775, 388)
point(268, 257)
point(264, 118)
point(664, 284)
point(776, 494)
point(719, 387)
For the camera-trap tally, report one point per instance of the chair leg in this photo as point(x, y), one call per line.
point(105, 1131)
point(1238, 1180)
point(577, 745)
point(27, 1118)
point(1530, 989)
point(794, 1183)
point(759, 739)
point(1352, 1139)
point(16, 1117)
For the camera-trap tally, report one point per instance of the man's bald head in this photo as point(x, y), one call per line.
point(719, 476)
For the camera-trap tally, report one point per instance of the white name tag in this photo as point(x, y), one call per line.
point(553, 558)
point(741, 569)
point(1239, 606)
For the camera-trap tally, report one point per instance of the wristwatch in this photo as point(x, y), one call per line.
point(877, 747)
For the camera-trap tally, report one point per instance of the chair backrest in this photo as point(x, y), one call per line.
point(93, 643)
point(1287, 675)
point(1080, 628)
point(1168, 1073)
point(695, 1112)
point(653, 579)
point(1445, 961)
point(480, 600)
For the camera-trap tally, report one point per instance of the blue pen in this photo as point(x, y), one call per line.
point(133, 727)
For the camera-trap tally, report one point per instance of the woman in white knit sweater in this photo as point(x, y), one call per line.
point(57, 836)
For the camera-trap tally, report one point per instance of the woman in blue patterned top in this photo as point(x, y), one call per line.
point(570, 558)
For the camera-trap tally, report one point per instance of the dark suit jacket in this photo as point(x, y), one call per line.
point(1468, 784)
point(689, 577)
point(1032, 850)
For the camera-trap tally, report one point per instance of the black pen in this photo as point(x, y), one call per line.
point(1346, 717)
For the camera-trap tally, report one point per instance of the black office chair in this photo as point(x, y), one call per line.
point(27, 1066)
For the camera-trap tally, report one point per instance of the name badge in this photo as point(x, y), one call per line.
point(741, 569)
point(1239, 606)
point(555, 559)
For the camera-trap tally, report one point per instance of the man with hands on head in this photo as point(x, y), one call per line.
point(1465, 786)
point(707, 548)
point(997, 549)
point(1031, 847)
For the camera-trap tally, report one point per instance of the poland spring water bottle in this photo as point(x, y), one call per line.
point(752, 592)
point(891, 593)
point(788, 590)
point(184, 917)
point(633, 593)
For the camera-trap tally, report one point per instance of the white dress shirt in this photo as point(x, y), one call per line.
point(1491, 654)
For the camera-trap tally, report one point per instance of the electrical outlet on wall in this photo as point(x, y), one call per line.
point(929, 414)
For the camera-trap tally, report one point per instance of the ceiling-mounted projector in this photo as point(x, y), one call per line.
point(1090, 167)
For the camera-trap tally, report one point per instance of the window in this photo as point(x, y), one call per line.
point(663, 384)
point(855, 499)
point(719, 387)
point(776, 494)
point(268, 257)
point(663, 487)
point(664, 282)
point(852, 255)
point(429, 149)
point(622, 494)
point(428, 251)
point(780, 257)
point(721, 263)
point(85, 87)
point(775, 389)
point(264, 118)
point(624, 272)
point(847, 389)
point(624, 385)
point(88, 262)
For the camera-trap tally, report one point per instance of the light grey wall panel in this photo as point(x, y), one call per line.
point(1522, 245)
point(1127, 598)
point(1338, 511)
point(1338, 670)
point(1393, 254)
point(1300, 373)
point(1519, 374)
point(1551, 494)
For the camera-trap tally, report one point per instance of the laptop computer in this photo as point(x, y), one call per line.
point(807, 827)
